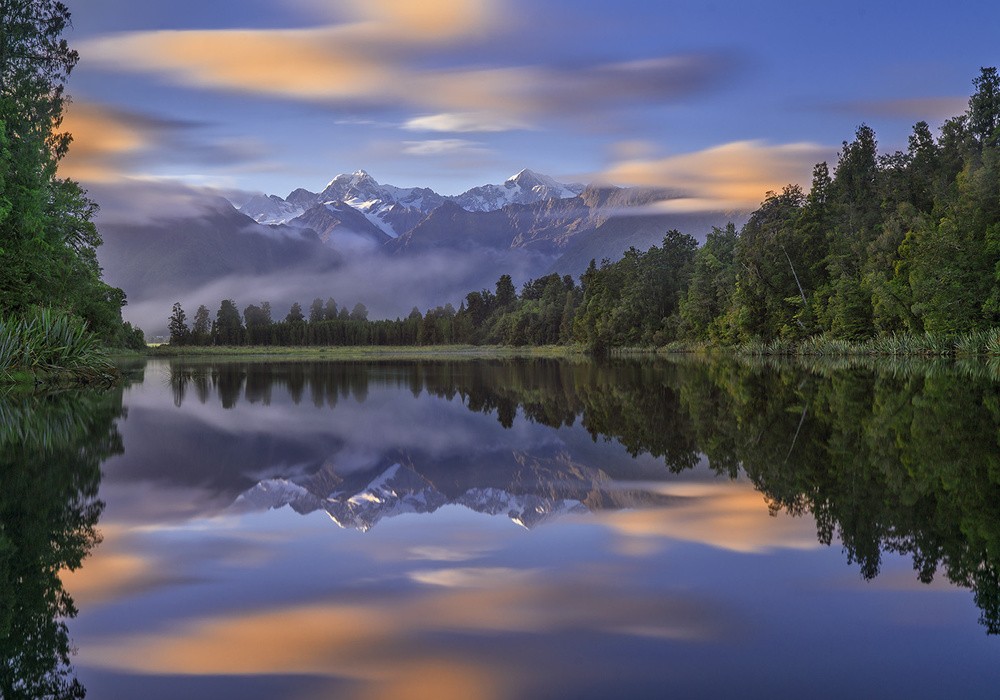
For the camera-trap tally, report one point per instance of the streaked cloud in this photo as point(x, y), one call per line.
point(102, 137)
point(462, 122)
point(112, 144)
point(929, 109)
point(729, 176)
point(396, 53)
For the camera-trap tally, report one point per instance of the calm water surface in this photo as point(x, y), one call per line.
point(504, 529)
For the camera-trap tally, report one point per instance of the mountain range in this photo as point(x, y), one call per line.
point(527, 226)
point(396, 210)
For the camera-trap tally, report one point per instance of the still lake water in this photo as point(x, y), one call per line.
point(505, 529)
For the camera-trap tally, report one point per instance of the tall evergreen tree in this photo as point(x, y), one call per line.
point(180, 334)
point(47, 237)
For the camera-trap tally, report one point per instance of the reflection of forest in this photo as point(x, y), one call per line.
point(901, 457)
point(51, 449)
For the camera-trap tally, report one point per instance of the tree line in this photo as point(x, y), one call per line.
point(893, 243)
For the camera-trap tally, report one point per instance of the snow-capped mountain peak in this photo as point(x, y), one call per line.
point(396, 209)
point(270, 209)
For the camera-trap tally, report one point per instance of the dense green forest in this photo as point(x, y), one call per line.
point(48, 240)
point(891, 244)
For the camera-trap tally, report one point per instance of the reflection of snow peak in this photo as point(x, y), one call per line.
point(394, 492)
point(273, 493)
point(527, 510)
point(398, 490)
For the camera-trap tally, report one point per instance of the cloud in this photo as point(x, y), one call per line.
point(729, 176)
point(144, 200)
point(108, 142)
point(103, 137)
point(930, 109)
point(402, 54)
point(356, 59)
point(463, 122)
point(443, 147)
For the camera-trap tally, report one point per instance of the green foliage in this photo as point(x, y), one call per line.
point(52, 343)
point(180, 334)
point(51, 449)
point(47, 237)
point(891, 254)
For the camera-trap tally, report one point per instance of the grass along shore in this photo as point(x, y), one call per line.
point(939, 345)
point(49, 347)
point(368, 352)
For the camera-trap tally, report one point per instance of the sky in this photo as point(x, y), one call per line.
point(722, 99)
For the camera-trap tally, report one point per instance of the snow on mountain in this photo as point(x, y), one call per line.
point(526, 187)
point(395, 210)
point(270, 209)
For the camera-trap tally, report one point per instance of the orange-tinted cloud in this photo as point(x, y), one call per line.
point(358, 60)
point(376, 58)
point(101, 136)
point(730, 176)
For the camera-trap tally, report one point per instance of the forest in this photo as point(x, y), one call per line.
point(887, 245)
point(51, 292)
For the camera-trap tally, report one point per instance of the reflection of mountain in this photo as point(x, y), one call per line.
point(897, 457)
point(528, 490)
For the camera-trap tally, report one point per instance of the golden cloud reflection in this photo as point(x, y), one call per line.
point(727, 515)
point(115, 571)
point(388, 640)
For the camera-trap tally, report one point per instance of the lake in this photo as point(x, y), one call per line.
point(635, 528)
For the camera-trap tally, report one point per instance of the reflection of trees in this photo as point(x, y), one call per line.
point(901, 457)
point(903, 461)
point(51, 448)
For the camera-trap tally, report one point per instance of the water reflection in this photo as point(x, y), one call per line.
point(901, 458)
point(685, 504)
point(51, 448)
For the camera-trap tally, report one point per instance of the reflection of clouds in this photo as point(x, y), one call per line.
point(449, 553)
point(370, 639)
point(728, 515)
point(121, 568)
point(470, 577)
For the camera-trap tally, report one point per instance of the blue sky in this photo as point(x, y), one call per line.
point(721, 99)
